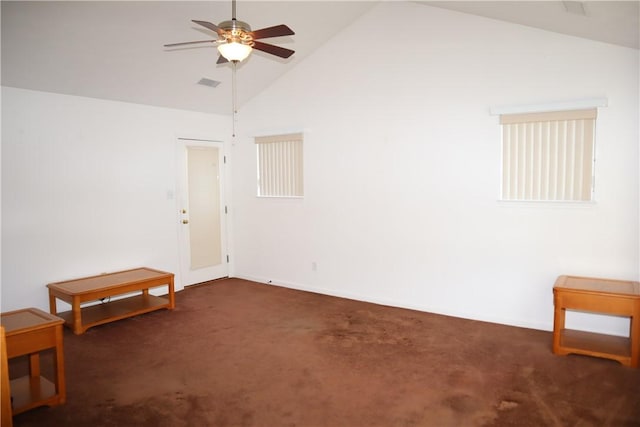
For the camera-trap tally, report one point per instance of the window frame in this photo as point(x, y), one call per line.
point(284, 154)
point(559, 108)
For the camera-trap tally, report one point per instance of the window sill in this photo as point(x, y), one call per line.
point(281, 197)
point(548, 203)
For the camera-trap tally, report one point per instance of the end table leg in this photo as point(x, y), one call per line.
point(558, 325)
point(34, 365)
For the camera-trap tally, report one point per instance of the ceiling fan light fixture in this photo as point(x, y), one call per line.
point(234, 51)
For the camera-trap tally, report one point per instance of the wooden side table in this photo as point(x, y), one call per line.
point(613, 297)
point(28, 332)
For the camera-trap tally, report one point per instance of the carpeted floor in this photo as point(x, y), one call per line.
point(238, 353)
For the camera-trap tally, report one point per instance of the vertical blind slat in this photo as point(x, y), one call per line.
point(561, 161)
point(506, 164)
point(579, 167)
point(588, 156)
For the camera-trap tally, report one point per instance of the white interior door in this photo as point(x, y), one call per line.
point(201, 211)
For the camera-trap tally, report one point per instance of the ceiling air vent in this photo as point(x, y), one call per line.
point(208, 82)
point(575, 7)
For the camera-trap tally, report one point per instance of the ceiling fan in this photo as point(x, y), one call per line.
point(236, 40)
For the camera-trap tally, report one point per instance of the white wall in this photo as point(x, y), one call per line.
point(402, 169)
point(88, 186)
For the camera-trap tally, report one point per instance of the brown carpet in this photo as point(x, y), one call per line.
point(237, 353)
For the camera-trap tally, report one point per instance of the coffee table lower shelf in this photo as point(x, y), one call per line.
point(594, 344)
point(116, 310)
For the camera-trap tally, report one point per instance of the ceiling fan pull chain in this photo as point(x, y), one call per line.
point(234, 97)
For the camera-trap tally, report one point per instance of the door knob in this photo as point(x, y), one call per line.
point(185, 221)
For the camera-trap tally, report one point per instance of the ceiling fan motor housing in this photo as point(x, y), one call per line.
point(236, 31)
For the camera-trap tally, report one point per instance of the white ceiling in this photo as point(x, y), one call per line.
point(114, 49)
point(615, 22)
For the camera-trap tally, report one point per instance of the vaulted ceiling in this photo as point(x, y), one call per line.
point(114, 49)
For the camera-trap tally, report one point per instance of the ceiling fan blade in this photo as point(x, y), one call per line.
point(276, 31)
point(185, 43)
point(209, 26)
point(273, 50)
point(221, 60)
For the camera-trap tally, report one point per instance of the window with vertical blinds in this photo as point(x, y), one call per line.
point(280, 165)
point(548, 156)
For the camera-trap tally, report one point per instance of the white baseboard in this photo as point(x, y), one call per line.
point(544, 326)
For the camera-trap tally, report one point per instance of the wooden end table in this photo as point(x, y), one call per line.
point(28, 332)
point(613, 297)
point(104, 286)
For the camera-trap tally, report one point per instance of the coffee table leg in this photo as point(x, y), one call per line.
point(635, 339)
point(172, 294)
point(77, 316)
point(53, 309)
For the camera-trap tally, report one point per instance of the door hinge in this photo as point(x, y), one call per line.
point(227, 259)
point(224, 159)
point(225, 210)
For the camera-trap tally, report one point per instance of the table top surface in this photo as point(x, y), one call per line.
point(103, 281)
point(605, 286)
point(27, 319)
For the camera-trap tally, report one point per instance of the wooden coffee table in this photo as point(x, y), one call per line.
point(613, 297)
point(102, 287)
point(28, 332)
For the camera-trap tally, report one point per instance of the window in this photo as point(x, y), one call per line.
point(548, 156)
point(280, 165)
